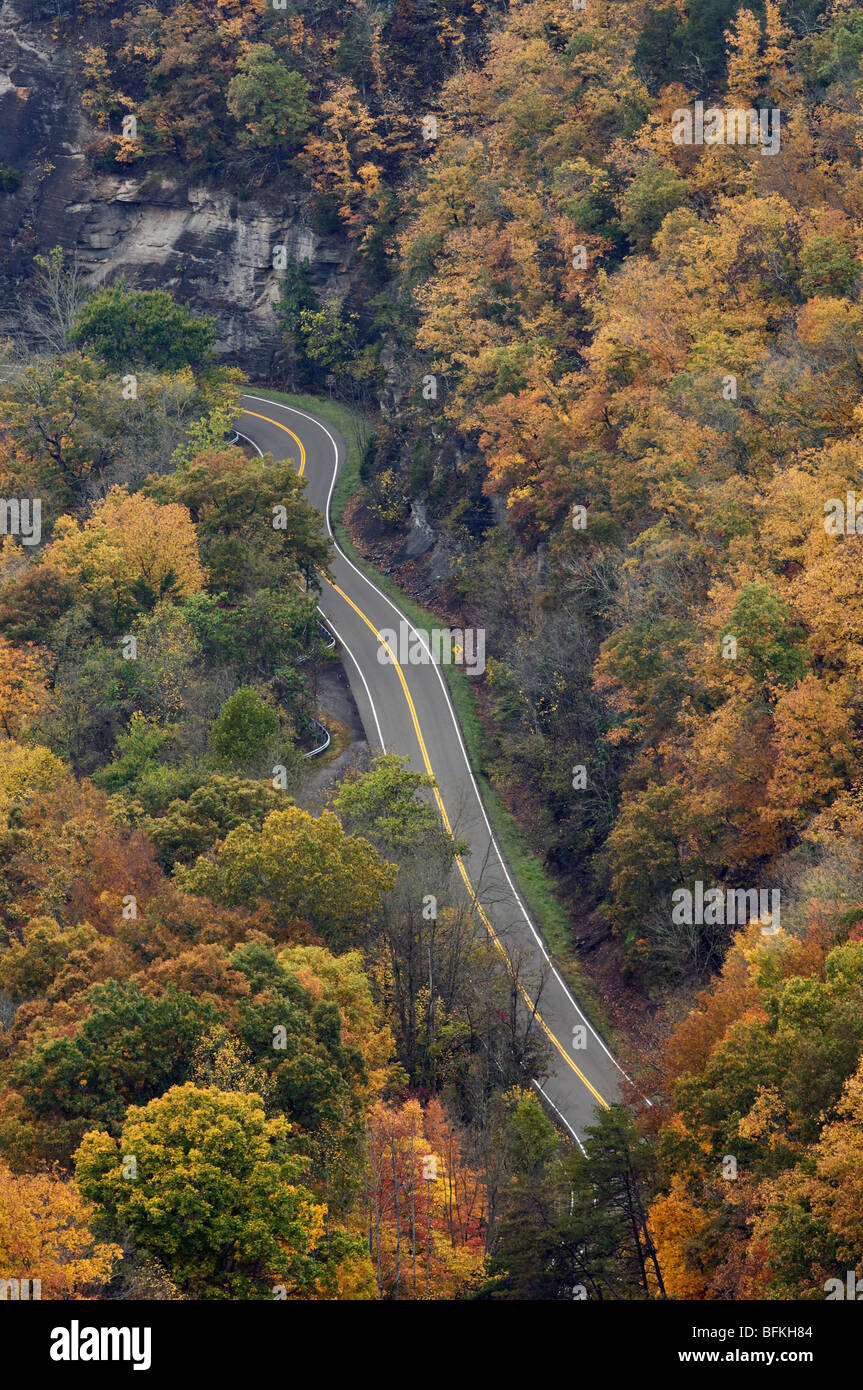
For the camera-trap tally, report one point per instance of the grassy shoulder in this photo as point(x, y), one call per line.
point(527, 870)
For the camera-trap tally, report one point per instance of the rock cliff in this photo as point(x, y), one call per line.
point(210, 247)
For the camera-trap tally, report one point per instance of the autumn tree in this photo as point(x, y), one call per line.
point(23, 681)
point(55, 408)
point(426, 1208)
point(137, 550)
point(745, 62)
point(306, 867)
point(252, 1224)
point(45, 1235)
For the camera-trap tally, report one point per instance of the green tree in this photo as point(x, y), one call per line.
point(523, 1172)
point(268, 101)
point(208, 431)
point(297, 297)
point(330, 337)
point(574, 1225)
point(644, 852)
point(192, 826)
point(265, 634)
point(245, 729)
point(386, 805)
point(304, 866)
point(690, 50)
point(769, 650)
point(315, 1078)
point(828, 267)
point(134, 328)
point(217, 1196)
point(10, 179)
point(136, 753)
point(655, 191)
point(97, 691)
point(130, 1047)
point(234, 502)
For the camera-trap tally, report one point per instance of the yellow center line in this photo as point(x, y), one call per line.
point(462, 870)
point(295, 437)
point(442, 809)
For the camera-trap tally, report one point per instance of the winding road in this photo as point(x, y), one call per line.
point(407, 709)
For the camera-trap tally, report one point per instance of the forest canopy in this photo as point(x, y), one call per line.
point(615, 378)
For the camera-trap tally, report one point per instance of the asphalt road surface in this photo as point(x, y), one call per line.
point(406, 709)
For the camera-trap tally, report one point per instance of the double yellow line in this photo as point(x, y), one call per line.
point(458, 859)
point(302, 468)
point(441, 808)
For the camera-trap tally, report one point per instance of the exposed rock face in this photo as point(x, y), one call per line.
point(211, 248)
point(421, 536)
point(396, 384)
point(208, 247)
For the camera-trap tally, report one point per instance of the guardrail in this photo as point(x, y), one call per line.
point(322, 747)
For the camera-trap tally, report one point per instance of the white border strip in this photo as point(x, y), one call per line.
point(537, 936)
point(339, 639)
point(563, 1120)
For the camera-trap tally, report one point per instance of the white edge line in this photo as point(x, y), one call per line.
point(470, 770)
point(420, 638)
point(561, 1117)
point(323, 615)
point(251, 441)
point(363, 679)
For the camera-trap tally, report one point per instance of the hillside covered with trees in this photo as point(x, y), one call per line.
point(619, 379)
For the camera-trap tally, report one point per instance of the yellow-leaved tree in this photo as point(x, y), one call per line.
point(23, 681)
point(45, 1234)
point(138, 550)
